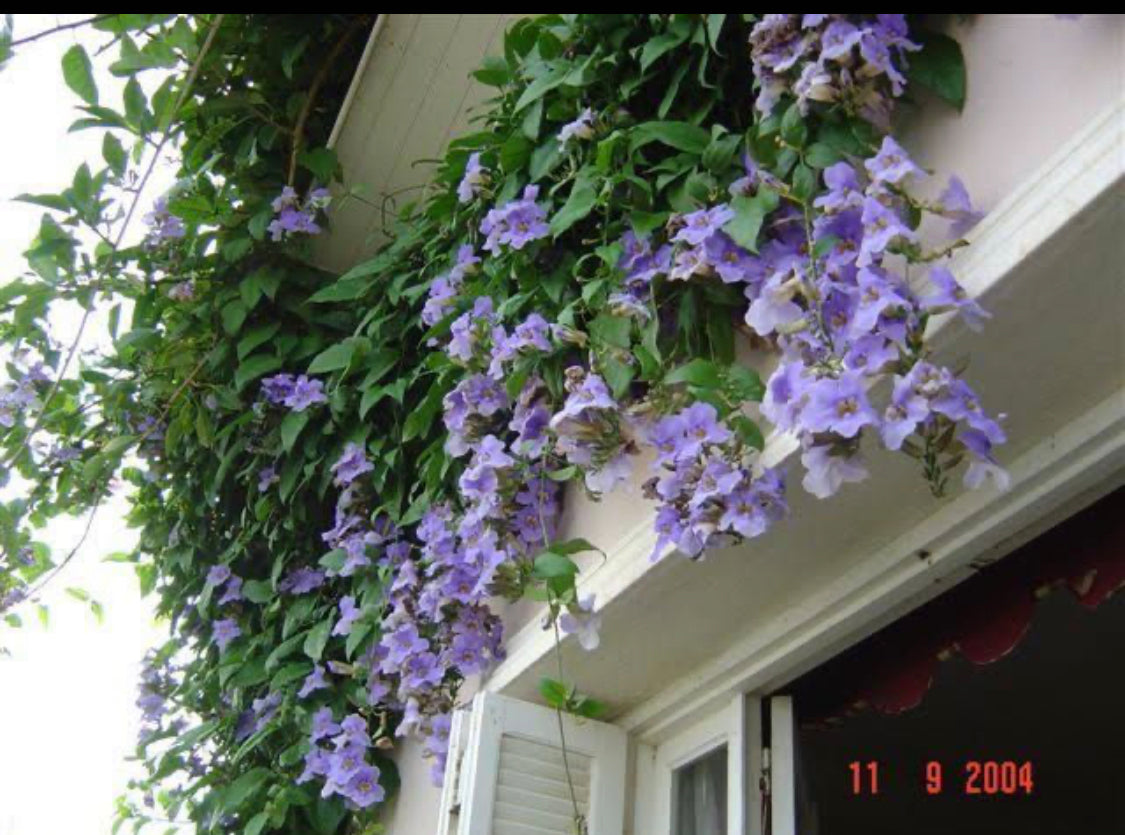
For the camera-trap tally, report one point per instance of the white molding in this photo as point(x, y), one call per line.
point(1058, 476)
point(1068, 185)
point(356, 82)
point(783, 767)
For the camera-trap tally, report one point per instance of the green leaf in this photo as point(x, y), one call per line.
point(291, 427)
point(573, 546)
point(550, 565)
point(939, 67)
point(744, 384)
point(340, 355)
point(321, 162)
point(608, 329)
point(346, 289)
point(554, 693)
point(749, 214)
point(317, 638)
point(663, 43)
point(257, 824)
point(697, 372)
point(234, 314)
point(78, 73)
point(245, 787)
point(793, 127)
point(114, 154)
point(583, 196)
point(683, 136)
point(254, 367)
point(258, 591)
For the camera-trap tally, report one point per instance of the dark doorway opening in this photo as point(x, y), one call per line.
point(1030, 744)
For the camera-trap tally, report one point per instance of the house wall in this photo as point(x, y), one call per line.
point(1034, 82)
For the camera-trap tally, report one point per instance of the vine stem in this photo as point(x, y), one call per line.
point(85, 320)
point(314, 90)
point(579, 822)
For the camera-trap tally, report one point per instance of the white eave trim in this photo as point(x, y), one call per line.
point(1062, 466)
point(356, 82)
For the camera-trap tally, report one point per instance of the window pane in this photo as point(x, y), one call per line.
point(701, 795)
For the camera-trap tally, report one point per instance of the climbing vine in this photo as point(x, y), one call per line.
point(335, 478)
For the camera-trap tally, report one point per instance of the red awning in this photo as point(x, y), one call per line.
point(983, 618)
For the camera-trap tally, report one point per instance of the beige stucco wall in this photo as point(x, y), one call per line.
point(1034, 81)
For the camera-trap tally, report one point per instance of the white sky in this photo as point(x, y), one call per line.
point(67, 715)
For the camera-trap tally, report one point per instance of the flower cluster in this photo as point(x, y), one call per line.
point(593, 432)
point(294, 217)
point(581, 128)
point(295, 393)
point(163, 225)
point(473, 180)
point(343, 764)
point(856, 61)
point(445, 288)
point(515, 224)
point(707, 489)
point(17, 396)
point(843, 318)
point(640, 266)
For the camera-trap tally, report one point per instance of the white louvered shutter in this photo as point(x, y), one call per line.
point(511, 779)
point(450, 807)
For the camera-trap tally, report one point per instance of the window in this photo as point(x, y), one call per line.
point(700, 789)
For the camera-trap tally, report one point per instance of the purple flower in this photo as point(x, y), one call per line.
point(224, 631)
point(956, 205)
point(163, 225)
point(787, 393)
point(363, 788)
point(323, 725)
point(581, 621)
point(349, 614)
point(732, 263)
point(294, 219)
point(278, 388)
point(877, 295)
point(702, 224)
point(984, 465)
point(232, 591)
point(701, 426)
point(515, 224)
point(843, 189)
point(217, 575)
point(838, 40)
point(827, 470)
point(882, 227)
point(614, 471)
point(316, 680)
point(351, 465)
point(183, 291)
point(952, 296)
point(473, 180)
point(580, 128)
point(772, 307)
point(267, 476)
point(306, 392)
point(892, 164)
point(401, 644)
point(302, 581)
point(838, 405)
